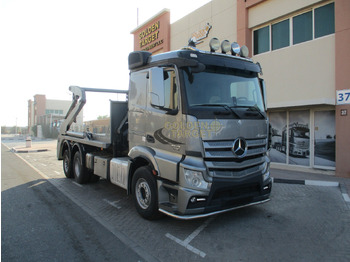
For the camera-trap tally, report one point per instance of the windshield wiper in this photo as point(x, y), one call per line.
point(250, 108)
point(230, 110)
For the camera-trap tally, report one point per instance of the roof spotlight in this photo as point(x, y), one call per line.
point(244, 51)
point(214, 44)
point(235, 49)
point(225, 46)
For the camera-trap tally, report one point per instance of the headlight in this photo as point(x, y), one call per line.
point(195, 179)
point(266, 171)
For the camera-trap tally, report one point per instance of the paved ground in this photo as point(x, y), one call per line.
point(39, 223)
point(300, 223)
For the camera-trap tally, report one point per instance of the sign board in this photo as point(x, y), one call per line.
point(201, 34)
point(153, 35)
point(149, 37)
point(343, 97)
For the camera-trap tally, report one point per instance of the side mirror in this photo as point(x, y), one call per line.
point(156, 78)
point(263, 91)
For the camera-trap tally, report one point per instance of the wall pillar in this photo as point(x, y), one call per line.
point(342, 81)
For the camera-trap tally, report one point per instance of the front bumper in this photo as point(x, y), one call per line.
point(224, 195)
point(189, 217)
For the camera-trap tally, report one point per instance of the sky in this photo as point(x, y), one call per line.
point(48, 45)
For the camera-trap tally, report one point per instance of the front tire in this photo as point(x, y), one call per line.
point(144, 188)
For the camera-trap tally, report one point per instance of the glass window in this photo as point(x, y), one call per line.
point(325, 138)
point(246, 93)
point(225, 88)
point(302, 28)
point(278, 121)
point(324, 20)
point(262, 40)
point(280, 34)
point(170, 89)
point(299, 138)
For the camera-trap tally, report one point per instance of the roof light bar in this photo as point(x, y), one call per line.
point(226, 46)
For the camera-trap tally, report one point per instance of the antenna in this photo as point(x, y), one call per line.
point(137, 17)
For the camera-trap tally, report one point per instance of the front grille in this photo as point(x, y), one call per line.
point(241, 192)
point(221, 161)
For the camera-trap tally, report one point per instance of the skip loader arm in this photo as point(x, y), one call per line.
point(79, 100)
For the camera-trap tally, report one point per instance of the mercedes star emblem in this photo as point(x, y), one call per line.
point(239, 148)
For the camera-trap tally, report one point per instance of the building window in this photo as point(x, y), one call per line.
point(324, 20)
point(302, 28)
point(307, 26)
point(262, 40)
point(280, 34)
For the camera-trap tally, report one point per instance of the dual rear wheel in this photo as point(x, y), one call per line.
point(74, 167)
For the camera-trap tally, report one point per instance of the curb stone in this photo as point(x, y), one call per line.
point(306, 182)
point(14, 150)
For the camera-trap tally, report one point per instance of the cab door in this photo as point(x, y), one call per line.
point(164, 124)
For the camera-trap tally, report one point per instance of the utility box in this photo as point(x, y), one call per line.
point(101, 166)
point(120, 171)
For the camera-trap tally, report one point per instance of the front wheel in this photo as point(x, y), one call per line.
point(144, 189)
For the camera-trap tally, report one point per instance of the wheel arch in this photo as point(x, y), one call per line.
point(138, 162)
point(65, 145)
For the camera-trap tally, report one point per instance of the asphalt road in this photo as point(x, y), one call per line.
point(39, 223)
point(300, 223)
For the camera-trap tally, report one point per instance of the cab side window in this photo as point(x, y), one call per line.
point(170, 89)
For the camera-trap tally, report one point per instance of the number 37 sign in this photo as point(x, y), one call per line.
point(343, 97)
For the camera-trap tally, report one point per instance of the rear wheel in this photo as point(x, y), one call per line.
point(144, 188)
point(81, 176)
point(67, 164)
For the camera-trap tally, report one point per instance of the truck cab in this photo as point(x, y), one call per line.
point(196, 137)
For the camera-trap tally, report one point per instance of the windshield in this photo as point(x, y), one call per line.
point(224, 87)
point(300, 133)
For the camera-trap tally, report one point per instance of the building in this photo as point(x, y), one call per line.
point(303, 49)
point(47, 113)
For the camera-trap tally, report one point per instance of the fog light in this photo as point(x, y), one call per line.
point(244, 51)
point(225, 46)
point(214, 44)
point(235, 48)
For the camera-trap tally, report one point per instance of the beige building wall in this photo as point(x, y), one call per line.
point(58, 105)
point(64, 105)
point(302, 74)
point(221, 14)
point(274, 9)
